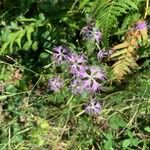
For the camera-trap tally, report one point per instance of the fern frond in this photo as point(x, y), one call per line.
point(123, 67)
point(107, 13)
point(20, 36)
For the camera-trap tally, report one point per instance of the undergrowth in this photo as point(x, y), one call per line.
point(74, 75)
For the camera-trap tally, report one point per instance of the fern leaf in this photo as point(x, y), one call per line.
point(130, 19)
point(118, 53)
point(119, 71)
point(29, 30)
point(120, 46)
point(20, 36)
point(12, 41)
point(130, 3)
point(4, 46)
point(107, 14)
point(144, 35)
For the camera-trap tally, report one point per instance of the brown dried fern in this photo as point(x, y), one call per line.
point(125, 54)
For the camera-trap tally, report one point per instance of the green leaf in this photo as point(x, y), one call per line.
point(35, 45)
point(5, 35)
point(4, 46)
point(20, 36)
point(12, 40)
point(130, 134)
point(3, 97)
point(126, 143)
point(11, 88)
point(147, 129)
point(18, 138)
point(135, 142)
point(83, 3)
point(26, 46)
point(40, 142)
point(44, 55)
point(130, 3)
point(44, 125)
point(108, 145)
point(29, 30)
point(117, 121)
point(41, 16)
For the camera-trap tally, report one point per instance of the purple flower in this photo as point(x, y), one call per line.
point(97, 35)
point(60, 54)
point(76, 86)
point(103, 54)
point(141, 25)
point(86, 32)
point(89, 32)
point(91, 79)
point(54, 84)
point(93, 108)
point(77, 64)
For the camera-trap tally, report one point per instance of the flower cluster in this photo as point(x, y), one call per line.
point(85, 79)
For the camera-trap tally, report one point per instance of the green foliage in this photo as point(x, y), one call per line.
point(33, 118)
point(20, 37)
point(116, 121)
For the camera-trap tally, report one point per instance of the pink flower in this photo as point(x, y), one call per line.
point(91, 79)
point(141, 25)
point(77, 63)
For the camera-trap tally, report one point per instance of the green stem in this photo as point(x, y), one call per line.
point(146, 9)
